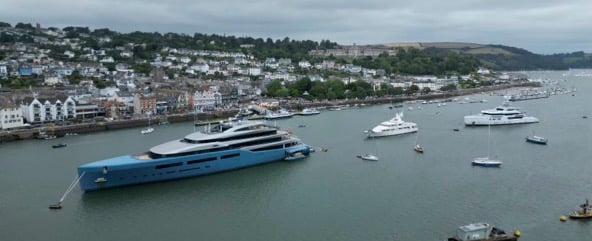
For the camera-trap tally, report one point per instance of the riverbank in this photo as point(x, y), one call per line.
point(205, 117)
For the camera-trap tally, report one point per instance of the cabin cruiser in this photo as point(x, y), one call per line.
point(394, 126)
point(309, 111)
point(501, 115)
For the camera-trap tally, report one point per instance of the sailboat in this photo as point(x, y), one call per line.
point(486, 161)
point(417, 148)
point(149, 129)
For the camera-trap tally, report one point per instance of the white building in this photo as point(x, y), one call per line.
point(3, 70)
point(42, 110)
point(206, 100)
point(10, 116)
point(304, 64)
point(204, 68)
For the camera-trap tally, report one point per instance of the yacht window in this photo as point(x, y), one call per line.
point(202, 160)
point(169, 165)
point(230, 156)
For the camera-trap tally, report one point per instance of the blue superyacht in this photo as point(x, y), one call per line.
point(226, 147)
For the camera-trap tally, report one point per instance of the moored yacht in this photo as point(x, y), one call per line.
point(394, 126)
point(501, 115)
point(279, 114)
point(309, 111)
point(236, 145)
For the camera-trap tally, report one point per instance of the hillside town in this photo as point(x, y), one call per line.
point(62, 76)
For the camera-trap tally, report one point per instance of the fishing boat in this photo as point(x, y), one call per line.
point(584, 211)
point(483, 232)
point(536, 139)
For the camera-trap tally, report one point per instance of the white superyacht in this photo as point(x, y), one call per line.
point(394, 126)
point(501, 115)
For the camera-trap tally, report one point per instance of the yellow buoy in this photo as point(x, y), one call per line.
point(517, 233)
point(563, 218)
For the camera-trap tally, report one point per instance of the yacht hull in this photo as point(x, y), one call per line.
point(478, 120)
point(131, 170)
point(390, 133)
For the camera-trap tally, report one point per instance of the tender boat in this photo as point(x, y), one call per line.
point(482, 232)
point(486, 162)
point(59, 145)
point(394, 126)
point(231, 146)
point(56, 206)
point(368, 157)
point(147, 130)
point(418, 149)
point(584, 211)
point(537, 140)
point(501, 115)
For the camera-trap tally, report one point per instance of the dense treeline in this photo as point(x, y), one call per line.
point(336, 89)
point(413, 61)
point(520, 59)
point(152, 42)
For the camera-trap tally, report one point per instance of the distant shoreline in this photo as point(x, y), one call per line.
point(60, 131)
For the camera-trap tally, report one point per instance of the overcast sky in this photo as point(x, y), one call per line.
point(540, 26)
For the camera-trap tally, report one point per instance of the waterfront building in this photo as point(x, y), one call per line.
point(36, 110)
point(205, 100)
point(10, 116)
point(144, 104)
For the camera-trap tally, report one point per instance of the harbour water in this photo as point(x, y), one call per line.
point(331, 195)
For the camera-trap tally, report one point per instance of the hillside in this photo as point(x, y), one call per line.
point(500, 57)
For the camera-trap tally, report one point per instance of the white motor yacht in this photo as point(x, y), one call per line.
point(394, 126)
point(501, 115)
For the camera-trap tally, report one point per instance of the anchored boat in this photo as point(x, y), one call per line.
point(235, 145)
point(482, 232)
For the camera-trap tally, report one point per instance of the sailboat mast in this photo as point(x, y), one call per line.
point(488, 139)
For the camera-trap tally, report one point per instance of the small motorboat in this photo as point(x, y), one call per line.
point(455, 129)
point(59, 145)
point(368, 157)
point(418, 149)
point(536, 140)
point(486, 162)
point(584, 212)
point(56, 206)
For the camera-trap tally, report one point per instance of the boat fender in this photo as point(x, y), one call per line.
point(517, 233)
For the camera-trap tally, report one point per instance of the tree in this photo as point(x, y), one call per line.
point(5, 25)
point(448, 87)
point(274, 87)
point(412, 89)
point(25, 26)
point(425, 90)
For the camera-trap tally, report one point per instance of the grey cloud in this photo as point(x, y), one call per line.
point(543, 26)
